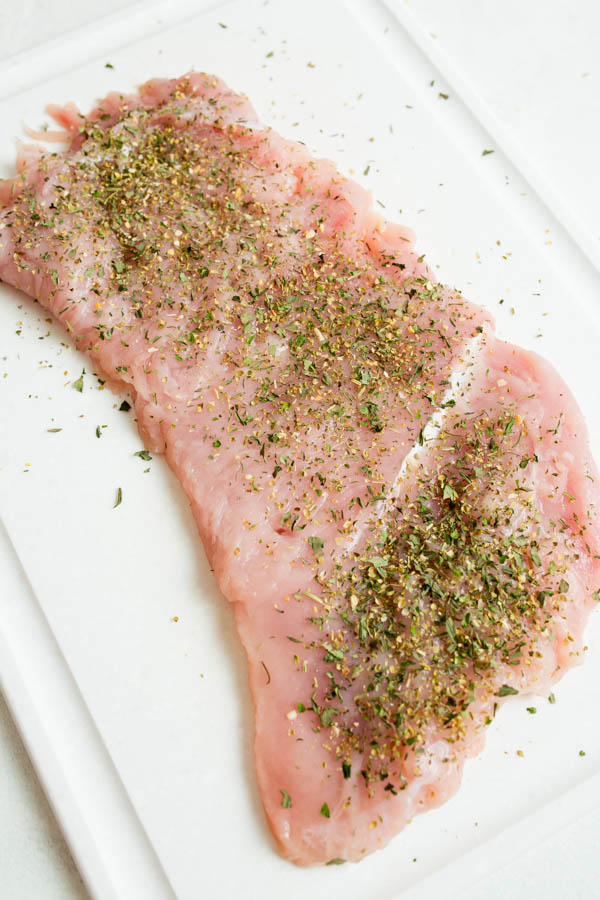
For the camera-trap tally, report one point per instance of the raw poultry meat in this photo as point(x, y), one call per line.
point(400, 506)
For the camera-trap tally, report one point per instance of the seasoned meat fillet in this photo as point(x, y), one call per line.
point(400, 506)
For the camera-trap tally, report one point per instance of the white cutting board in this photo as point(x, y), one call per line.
point(140, 726)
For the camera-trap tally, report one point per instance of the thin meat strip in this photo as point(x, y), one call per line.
point(290, 354)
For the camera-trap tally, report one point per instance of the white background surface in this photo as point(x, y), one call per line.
point(534, 65)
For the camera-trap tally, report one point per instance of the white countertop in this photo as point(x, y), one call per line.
point(548, 93)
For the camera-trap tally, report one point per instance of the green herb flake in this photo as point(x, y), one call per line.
point(143, 454)
point(327, 717)
point(450, 493)
point(286, 800)
point(336, 861)
point(119, 499)
point(551, 699)
point(316, 544)
point(325, 811)
point(78, 385)
point(506, 690)
point(53, 430)
point(487, 152)
point(531, 710)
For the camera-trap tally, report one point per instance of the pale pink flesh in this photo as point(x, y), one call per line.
point(259, 565)
point(501, 376)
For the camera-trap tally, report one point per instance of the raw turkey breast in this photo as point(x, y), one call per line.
point(401, 507)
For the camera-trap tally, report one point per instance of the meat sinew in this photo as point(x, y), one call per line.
point(400, 506)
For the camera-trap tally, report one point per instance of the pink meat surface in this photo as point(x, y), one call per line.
point(400, 507)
